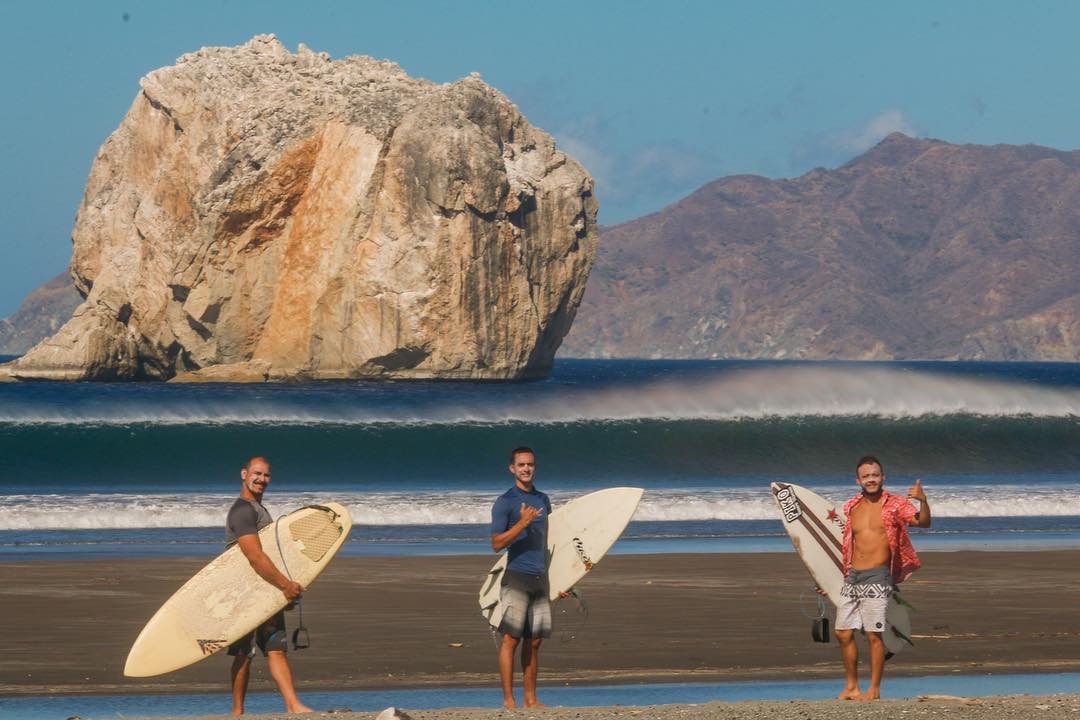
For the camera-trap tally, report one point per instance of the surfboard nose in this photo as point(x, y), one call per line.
point(155, 650)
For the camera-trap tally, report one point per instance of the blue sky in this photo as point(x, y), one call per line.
point(655, 99)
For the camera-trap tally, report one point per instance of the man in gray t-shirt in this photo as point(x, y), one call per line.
point(246, 517)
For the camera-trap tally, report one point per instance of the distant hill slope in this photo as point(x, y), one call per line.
point(39, 316)
point(917, 249)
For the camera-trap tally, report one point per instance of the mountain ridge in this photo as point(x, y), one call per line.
point(917, 249)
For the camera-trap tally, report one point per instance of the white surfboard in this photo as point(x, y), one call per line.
point(579, 533)
point(816, 528)
point(227, 599)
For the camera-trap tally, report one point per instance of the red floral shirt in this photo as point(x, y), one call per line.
point(896, 514)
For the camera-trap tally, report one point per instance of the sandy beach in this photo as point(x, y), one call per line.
point(997, 708)
point(412, 622)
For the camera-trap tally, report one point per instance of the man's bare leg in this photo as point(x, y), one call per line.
point(506, 669)
point(877, 665)
point(530, 664)
point(241, 669)
point(849, 651)
point(279, 670)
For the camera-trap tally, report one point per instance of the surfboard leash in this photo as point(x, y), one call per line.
point(298, 643)
point(582, 608)
point(822, 608)
point(565, 635)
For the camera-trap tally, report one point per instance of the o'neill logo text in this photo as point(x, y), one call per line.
point(789, 505)
point(580, 547)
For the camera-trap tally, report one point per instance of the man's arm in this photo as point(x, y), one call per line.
point(499, 541)
point(922, 517)
point(252, 548)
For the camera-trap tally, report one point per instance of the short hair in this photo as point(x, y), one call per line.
point(520, 451)
point(867, 460)
point(253, 458)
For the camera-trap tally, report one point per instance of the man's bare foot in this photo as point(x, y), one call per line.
point(509, 703)
point(299, 708)
point(534, 703)
point(871, 694)
point(850, 694)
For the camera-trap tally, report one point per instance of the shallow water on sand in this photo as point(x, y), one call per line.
point(112, 706)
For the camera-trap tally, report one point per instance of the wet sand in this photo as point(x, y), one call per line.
point(413, 622)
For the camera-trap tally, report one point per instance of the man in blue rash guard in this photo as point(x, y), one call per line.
point(519, 525)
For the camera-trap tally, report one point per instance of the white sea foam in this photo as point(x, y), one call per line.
point(129, 511)
point(749, 393)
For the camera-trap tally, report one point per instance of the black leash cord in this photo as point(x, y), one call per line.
point(297, 644)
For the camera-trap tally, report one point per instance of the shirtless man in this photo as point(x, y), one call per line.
point(878, 556)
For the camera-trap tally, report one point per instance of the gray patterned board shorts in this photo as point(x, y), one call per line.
point(526, 608)
point(269, 637)
point(864, 598)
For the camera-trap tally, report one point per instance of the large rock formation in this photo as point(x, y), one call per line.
point(917, 249)
point(261, 215)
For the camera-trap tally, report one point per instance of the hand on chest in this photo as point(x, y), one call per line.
point(538, 507)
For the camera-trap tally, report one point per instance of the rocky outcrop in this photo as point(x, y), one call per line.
point(919, 249)
point(261, 214)
point(41, 314)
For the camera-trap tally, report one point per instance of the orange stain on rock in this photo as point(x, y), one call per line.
point(339, 161)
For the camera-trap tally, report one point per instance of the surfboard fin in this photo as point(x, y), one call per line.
point(493, 577)
point(903, 637)
point(902, 601)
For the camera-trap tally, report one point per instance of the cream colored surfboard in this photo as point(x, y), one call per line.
point(579, 534)
point(816, 528)
point(227, 599)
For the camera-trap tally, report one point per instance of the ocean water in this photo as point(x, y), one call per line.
point(90, 470)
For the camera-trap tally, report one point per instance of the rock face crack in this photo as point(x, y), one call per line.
point(164, 111)
point(261, 214)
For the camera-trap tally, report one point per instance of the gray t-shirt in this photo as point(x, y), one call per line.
point(246, 517)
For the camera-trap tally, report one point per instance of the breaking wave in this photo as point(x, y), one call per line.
point(798, 391)
point(129, 511)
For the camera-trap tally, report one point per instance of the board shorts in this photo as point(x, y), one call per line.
point(526, 608)
point(269, 637)
point(864, 598)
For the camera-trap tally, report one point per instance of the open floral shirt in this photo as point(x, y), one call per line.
point(896, 514)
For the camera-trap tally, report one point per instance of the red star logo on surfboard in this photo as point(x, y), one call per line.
point(832, 515)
